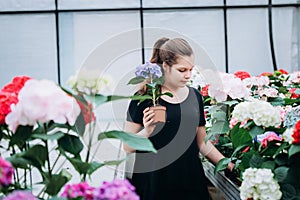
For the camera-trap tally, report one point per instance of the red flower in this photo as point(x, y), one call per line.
point(296, 134)
point(16, 85)
point(87, 111)
point(246, 149)
point(204, 91)
point(6, 99)
point(266, 74)
point(242, 75)
point(9, 95)
point(282, 71)
point(293, 94)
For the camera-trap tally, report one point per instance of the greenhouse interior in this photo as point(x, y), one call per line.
point(109, 65)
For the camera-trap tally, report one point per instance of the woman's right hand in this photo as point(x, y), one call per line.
point(148, 121)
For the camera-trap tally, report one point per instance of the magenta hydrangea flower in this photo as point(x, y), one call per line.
point(6, 172)
point(116, 190)
point(148, 69)
point(79, 190)
point(18, 195)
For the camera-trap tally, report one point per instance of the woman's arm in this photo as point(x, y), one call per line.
point(138, 129)
point(207, 149)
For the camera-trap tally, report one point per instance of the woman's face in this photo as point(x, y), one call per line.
point(178, 74)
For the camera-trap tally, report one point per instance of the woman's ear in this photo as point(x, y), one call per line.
point(165, 66)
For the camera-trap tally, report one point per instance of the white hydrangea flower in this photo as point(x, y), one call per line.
point(287, 135)
point(262, 113)
point(241, 111)
point(90, 81)
point(259, 184)
point(197, 79)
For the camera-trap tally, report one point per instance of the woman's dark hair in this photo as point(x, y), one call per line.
point(168, 50)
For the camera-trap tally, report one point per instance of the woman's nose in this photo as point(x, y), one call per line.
point(188, 75)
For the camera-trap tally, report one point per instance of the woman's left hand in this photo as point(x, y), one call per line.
point(230, 166)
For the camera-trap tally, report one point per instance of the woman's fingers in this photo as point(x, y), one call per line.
point(148, 117)
point(148, 121)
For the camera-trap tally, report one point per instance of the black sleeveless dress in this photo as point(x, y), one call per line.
point(175, 171)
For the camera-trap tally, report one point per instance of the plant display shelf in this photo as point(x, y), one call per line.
point(229, 190)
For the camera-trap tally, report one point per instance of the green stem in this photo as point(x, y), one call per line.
point(16, 177)
point(48, 158)
point(55, 162)
point(91, 133)
point(16, 172)
point(153, 90)
point(25, 171)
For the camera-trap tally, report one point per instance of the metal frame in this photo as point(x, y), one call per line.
point(141, 10)
point(229, 190)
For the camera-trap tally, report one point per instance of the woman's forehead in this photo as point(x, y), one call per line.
point(187, 61)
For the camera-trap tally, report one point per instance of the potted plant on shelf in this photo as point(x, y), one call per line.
point(151, 76)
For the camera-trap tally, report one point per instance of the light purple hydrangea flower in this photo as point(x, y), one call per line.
point(18, 195)
point(79, 190)
point(6, 172)
point(116, 190)
point(148, 69)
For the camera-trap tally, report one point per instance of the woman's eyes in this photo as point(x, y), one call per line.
point(184, 70)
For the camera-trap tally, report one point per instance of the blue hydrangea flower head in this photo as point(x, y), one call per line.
point(148, 69)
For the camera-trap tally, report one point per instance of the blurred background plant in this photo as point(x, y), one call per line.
point(42, 125)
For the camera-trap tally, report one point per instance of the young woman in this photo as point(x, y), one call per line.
point(175, 171)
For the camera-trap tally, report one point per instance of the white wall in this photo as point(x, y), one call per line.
point(111, 40)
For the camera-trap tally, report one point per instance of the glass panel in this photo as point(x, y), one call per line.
point(27, 46)
point(248, 41)
point(282, 36)
point(204, 30)
point(296, 40)
point(246, 2)
point(18, 5)
point(284, 1)
point(181, 3)
point(105, 41)
point(90, 4)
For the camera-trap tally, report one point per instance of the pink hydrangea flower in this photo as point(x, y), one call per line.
point(293, 78)
point(256, 81)
point(79, 190)
point(234, 121)
point(268, 92)
point(18, 195)
point(267, 137)
point(116, 190)
point(6, 172)
point(42, 101)
point(228, 86)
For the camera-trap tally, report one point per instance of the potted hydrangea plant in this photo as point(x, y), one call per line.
point(42, 126)
point(151, 76)
point(259, 132)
